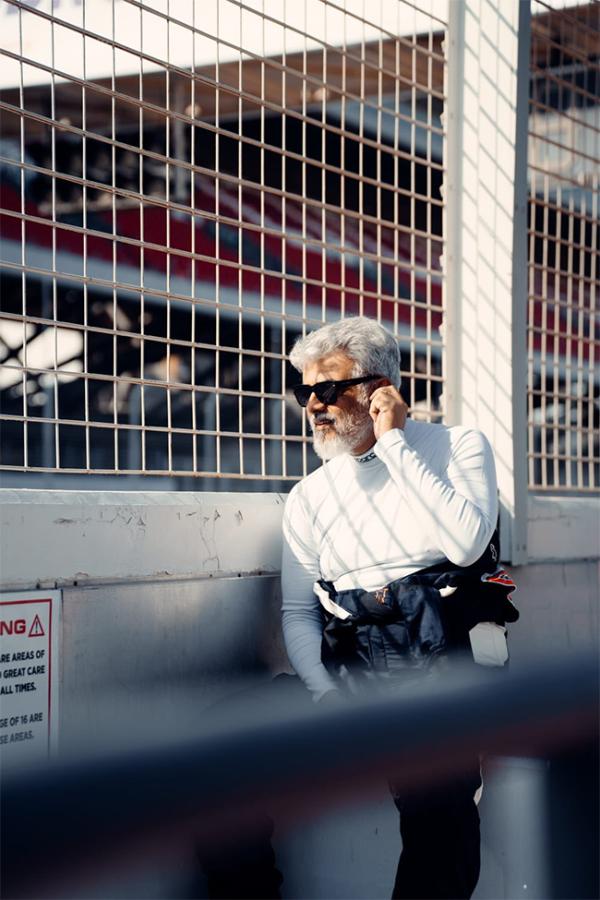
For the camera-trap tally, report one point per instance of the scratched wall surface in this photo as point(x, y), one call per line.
point(91, 536)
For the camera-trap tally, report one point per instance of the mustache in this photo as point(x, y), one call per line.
point(322, 417)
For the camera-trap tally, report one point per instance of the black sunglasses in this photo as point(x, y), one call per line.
point(327, 391)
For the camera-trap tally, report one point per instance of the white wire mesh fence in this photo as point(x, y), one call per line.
point(563, 334)
point(186, 186)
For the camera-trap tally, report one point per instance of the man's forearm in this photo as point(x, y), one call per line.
point(302, 631)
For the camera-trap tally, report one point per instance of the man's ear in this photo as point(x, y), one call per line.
point(379, 382)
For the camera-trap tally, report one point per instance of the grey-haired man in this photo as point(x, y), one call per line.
point(395, 497)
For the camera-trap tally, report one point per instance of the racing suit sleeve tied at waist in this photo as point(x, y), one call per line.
point(418, 621)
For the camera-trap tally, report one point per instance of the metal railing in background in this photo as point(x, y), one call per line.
point(564, 166)
point(186, 187)
point(68, 825)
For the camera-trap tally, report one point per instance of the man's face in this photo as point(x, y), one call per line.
point(343, 427)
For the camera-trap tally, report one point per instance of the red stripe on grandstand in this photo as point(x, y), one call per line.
point(268, 255)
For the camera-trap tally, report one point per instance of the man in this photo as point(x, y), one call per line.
point(395, 497)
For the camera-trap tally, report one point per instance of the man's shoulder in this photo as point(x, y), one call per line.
point(417, 431)
point(430, 439)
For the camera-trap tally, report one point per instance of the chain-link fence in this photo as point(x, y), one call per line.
point(563, 334)
point(186, 187)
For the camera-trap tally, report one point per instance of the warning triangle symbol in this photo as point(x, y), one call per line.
point(37, 629)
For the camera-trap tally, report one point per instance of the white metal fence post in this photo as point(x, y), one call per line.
point(453, 189)
point(485, 227)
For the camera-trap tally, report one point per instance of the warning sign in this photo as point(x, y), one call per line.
point(29, 635)
point(37, 629)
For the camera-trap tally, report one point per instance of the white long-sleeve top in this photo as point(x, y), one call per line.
point(430, 493)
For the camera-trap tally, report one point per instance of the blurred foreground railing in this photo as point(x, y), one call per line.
point(65, 823)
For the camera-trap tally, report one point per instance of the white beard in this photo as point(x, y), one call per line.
point(351, 431)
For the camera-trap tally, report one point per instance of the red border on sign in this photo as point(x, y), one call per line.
point(41, 600)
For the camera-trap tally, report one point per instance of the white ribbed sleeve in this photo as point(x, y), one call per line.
point(459, 510)
point(302, 619)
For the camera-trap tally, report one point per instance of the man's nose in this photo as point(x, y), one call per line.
point(314, 404)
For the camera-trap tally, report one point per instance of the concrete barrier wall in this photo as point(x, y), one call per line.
point(171, 595)
point(56, 538)
point(163, 595)
point(169, 567)
point(179, 589)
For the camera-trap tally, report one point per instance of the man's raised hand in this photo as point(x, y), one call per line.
point(388, 410)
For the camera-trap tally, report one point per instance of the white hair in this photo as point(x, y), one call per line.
point(372, 347)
